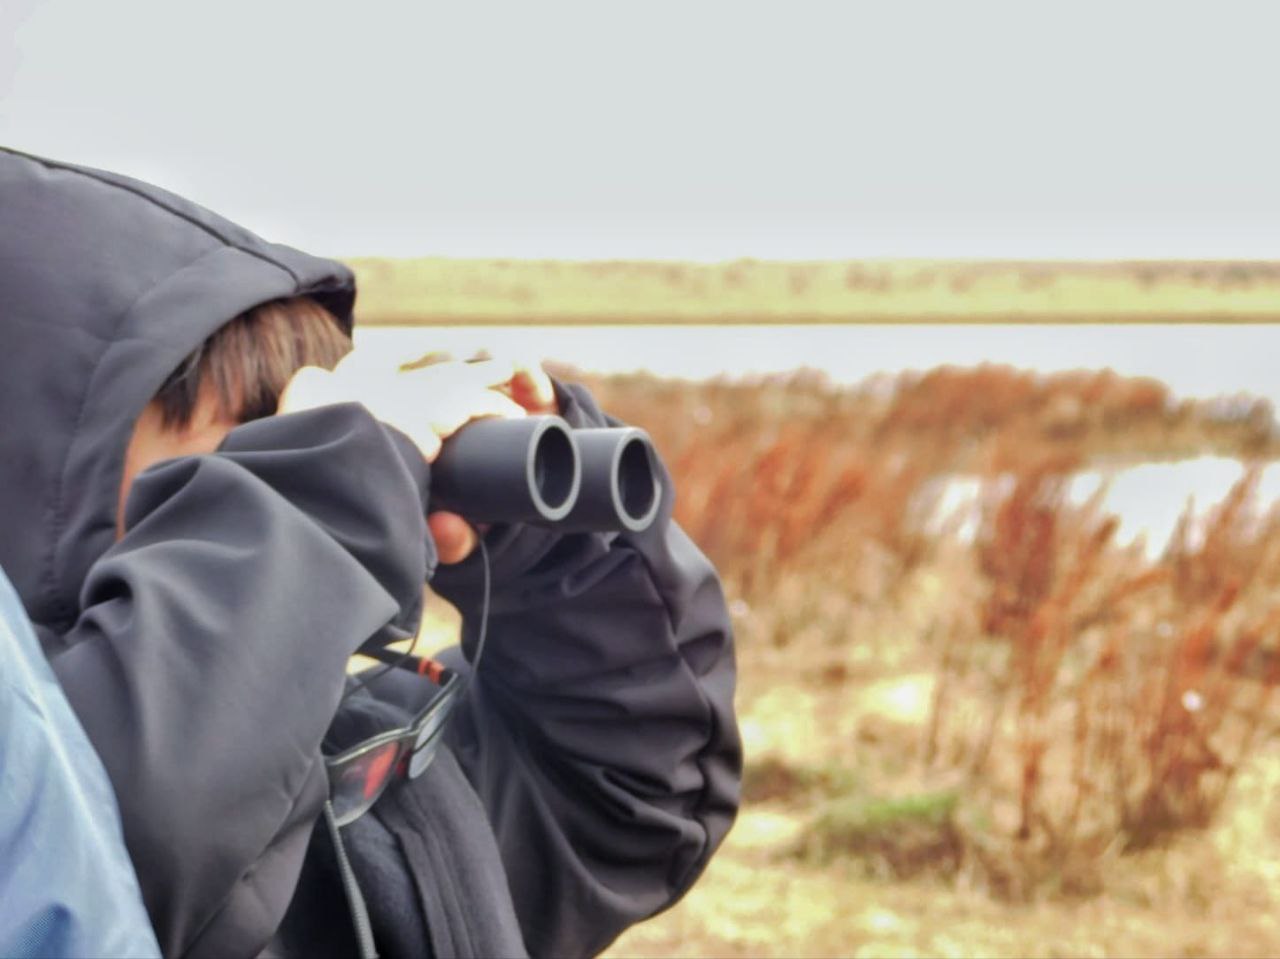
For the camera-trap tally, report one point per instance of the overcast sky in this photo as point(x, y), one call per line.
point(689, 129)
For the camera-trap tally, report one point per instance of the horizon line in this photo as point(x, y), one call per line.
point(874, 258)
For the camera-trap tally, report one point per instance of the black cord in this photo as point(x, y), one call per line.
point(350, 885)
point(484, 613)
point(351, 888)
point(378, 674)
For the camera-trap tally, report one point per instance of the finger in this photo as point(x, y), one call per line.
point(531, 387)
point(427, 359)
point(453, 536)
point(453, 375)
point(462, 409)
point(425, 438)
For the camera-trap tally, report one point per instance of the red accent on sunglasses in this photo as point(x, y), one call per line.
point(359, 774)
point(378, 768)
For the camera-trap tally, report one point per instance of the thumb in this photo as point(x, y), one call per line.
point(453, 536)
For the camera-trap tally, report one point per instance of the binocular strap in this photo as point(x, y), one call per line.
point(351, 888)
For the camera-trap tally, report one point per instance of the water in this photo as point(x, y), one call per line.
point(1194, 361)
point(1148, 499)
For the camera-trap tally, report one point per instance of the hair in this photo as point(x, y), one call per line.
point(248, 362)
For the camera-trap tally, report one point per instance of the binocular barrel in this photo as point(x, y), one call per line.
point(540, 470)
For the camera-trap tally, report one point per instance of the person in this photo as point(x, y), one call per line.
point(67, 887)
point(204, 526)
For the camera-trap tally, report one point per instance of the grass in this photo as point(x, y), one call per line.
point(849, 845)
point(899, 836)
point(1027, 742)
point(438, 290)
point(982, 746)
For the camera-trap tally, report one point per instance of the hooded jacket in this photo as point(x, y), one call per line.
point(595, 758)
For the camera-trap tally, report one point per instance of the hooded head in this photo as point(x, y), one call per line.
point(106, 285)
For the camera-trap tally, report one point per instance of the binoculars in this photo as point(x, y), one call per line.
point(540, 470)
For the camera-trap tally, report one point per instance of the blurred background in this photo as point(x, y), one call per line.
point(953, 322)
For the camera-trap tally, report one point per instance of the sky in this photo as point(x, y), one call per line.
point(696, 129)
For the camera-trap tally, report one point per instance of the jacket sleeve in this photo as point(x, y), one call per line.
point(210, 654)
point(599, 729)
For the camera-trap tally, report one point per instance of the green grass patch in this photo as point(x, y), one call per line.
point(892, 837)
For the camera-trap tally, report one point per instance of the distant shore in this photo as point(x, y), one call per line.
point(440, 291)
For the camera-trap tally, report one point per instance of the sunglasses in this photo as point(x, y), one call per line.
point(360, 774)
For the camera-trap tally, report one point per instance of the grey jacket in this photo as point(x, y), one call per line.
point(594, 765)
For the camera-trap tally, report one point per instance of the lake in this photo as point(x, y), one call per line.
point(1147, 499)
point(1195, 360)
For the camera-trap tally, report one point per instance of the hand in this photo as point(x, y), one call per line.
point(531, 387)
point(428, 402)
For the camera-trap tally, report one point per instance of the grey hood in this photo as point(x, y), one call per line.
point(205, 651)
point(106, 283)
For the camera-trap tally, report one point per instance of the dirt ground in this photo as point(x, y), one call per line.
point(1209, 892)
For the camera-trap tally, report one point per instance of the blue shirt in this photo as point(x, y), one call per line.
point(67, 887)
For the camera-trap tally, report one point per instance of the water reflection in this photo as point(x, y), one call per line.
point(1148, 499)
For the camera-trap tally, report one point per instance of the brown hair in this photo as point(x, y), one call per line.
point(248, 361)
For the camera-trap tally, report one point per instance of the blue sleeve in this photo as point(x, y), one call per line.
point(67, 887)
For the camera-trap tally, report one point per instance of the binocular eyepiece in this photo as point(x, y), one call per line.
point(540, 470)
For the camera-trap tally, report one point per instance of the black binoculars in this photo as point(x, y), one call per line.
point(540, 470)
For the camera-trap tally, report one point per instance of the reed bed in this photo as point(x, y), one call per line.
point(1024, 711)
